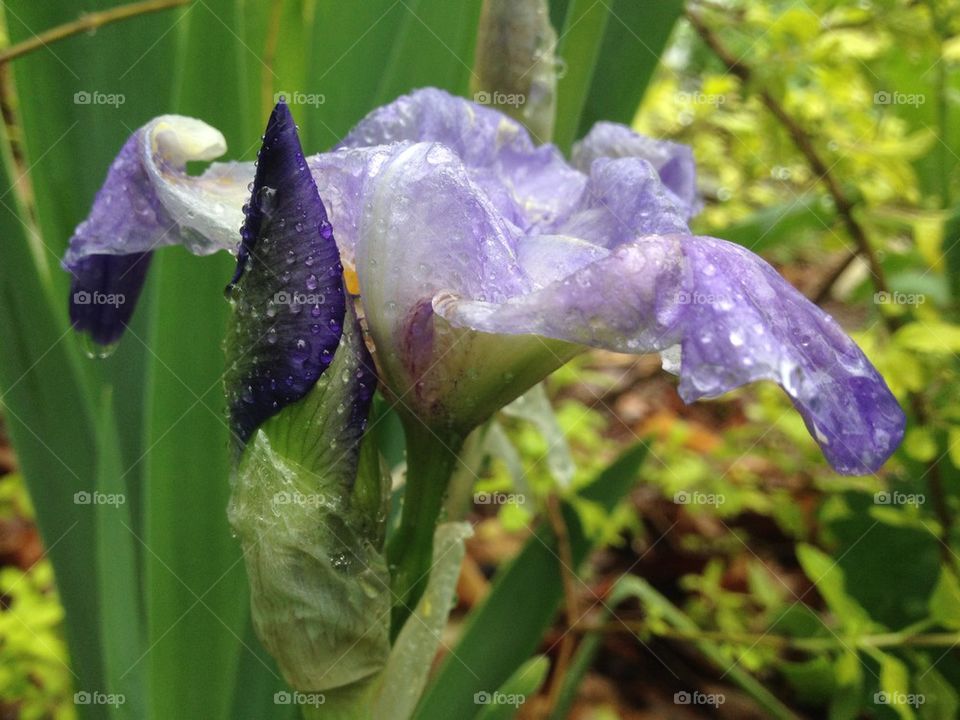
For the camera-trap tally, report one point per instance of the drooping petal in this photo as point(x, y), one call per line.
point(531, 186)
point(103, 293)
point(755, 326)
point(288, 292)
point(148, 201)
point(673, 161)
point(736, 321)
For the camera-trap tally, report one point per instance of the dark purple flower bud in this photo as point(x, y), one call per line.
point(287, 291)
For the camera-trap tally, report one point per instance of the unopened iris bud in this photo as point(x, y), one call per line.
point(309, 514)
point(515, 69)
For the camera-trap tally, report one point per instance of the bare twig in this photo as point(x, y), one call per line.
point(86, 23)
point(806, 147)
point(845, 207)
point(823, 293)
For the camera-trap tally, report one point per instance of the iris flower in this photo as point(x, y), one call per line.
point(483, 262)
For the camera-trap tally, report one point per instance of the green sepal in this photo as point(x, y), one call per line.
point(309, 506)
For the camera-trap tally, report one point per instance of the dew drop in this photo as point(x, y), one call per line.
point(96, 351)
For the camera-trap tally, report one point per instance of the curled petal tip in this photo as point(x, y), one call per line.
point(148, 201)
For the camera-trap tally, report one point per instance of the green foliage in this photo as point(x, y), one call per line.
point(853, 600)
point(873, 88)
point(34, 673)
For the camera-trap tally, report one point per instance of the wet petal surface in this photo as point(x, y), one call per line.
point(673, 162)
point(736, 321)
point(288, 292)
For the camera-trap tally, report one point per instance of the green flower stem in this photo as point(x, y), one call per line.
point(432, 458)
point(350, 702)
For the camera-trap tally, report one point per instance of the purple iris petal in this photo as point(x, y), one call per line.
point(673, 162)
point(288, 287)
point(103, 293)
point(147, 202)
point(736, 321)
point(532, 186)
point(341, 178)
point(623, 199)
point(461, 227)
point(742, 322)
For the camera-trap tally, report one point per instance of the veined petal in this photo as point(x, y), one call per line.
point(673, 161)
point(624, 199)
point(531, 186)
point(626, 301)
point(428, 228)
point(735, 320)
point(341, 178)
point(288, 291)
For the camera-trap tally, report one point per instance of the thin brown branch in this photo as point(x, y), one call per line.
point(823, 293)
point(86, 23)
point(845, 207)
point(805, 145)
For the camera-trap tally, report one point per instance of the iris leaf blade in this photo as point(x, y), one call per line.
point(637, 33)
point(578, 47)
point(193, 569)
point(434, 47)
point(47, 409)
point(505, 630)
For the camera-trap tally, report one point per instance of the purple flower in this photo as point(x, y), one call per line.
point(485, 262)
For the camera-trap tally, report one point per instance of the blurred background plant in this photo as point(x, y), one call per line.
point(733, 574)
